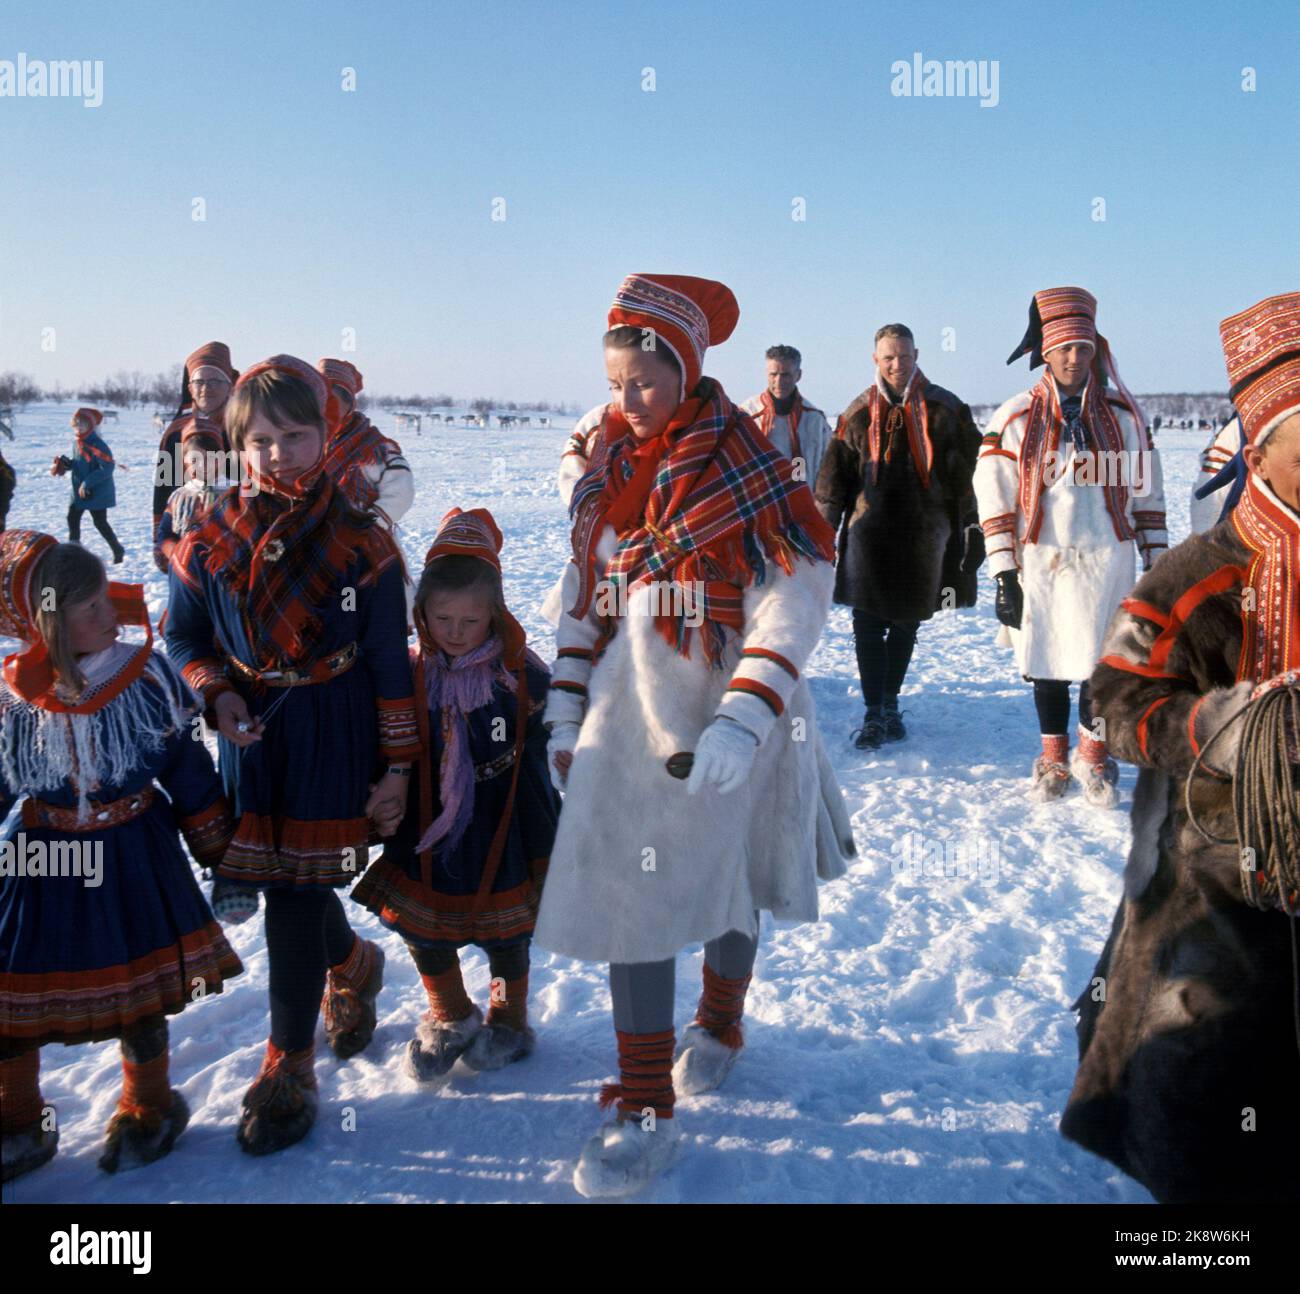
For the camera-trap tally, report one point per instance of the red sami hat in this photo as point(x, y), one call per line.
point(340, 371)
point(688, 315)
point(472, 534)
point(1262, 349)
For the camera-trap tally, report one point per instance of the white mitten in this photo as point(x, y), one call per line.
point(723, 757)
point(564, 737)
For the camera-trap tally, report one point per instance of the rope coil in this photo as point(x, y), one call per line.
point(1265, 801)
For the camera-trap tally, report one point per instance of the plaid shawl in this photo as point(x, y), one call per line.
point(1043, 437)
point(352, 448)
point(723, 500)
point(282, 551)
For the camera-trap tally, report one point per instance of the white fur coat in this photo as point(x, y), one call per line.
point(640, 869)
point(1077, 572)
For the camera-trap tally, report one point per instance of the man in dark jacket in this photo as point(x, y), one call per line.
point(896, 481)
point(1188, 1061)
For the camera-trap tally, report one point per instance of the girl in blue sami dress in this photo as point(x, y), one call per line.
point(103, 929)
point(287, 613)
point(93, 490)
point(466, 864)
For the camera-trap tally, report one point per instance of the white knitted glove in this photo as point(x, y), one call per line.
point(564, 737)
point(723, 757)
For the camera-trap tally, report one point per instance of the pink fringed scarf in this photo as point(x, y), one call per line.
point(454, 688)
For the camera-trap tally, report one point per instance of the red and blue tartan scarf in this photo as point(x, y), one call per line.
point(1043, 436)
point(352, 448)
point(283, 551)
point(722, 502)
point(887, 420)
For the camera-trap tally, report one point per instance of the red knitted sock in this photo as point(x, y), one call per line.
point(721, 1006)
point(20, 1091)
point(448, 1001)
point(645, 1063)
point(354, 970)
point(1056, 747)
point(146, 1091)
point(511, 1008)
point(301, 1064)
point(1092, 751)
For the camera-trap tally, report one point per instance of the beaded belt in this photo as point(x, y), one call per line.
point(37, 813)
point(330, 667)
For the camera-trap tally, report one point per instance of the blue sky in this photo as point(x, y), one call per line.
point(371, 209)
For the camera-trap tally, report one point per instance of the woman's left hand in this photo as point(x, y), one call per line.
point(387, 803)
point(723, 757)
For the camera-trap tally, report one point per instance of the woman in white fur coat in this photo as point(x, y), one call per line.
point(700, 581)
point(1069, 489)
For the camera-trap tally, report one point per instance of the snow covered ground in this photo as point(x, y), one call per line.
point(914, 1046)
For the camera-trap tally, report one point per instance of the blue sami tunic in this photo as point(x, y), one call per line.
point(442, 913)
point(82, 961)
point(94, 472)
point(299, 794)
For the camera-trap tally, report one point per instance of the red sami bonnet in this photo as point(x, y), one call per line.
point(29, 672)
point(687, 314)
point(472, 534)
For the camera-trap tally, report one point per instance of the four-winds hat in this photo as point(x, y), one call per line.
point(1262, 348)
point(92, 416)
point(688, 315)
point(1058, 317)
point(341, 372)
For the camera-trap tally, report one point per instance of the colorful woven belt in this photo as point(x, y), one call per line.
point(38, 813)
point(330, 667)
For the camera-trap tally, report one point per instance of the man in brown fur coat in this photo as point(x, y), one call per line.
point(896, 481)
point(1189, 1065)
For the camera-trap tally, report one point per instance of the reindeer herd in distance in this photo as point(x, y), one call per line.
point(505, 421)
point(408, 421)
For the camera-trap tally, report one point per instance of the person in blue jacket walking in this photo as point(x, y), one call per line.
point(93, 489)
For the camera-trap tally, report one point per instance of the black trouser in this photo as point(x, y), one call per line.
point(884, 650)
point(100, 517)
point(1052, 701)
point(306, 933)
point(506, 961)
